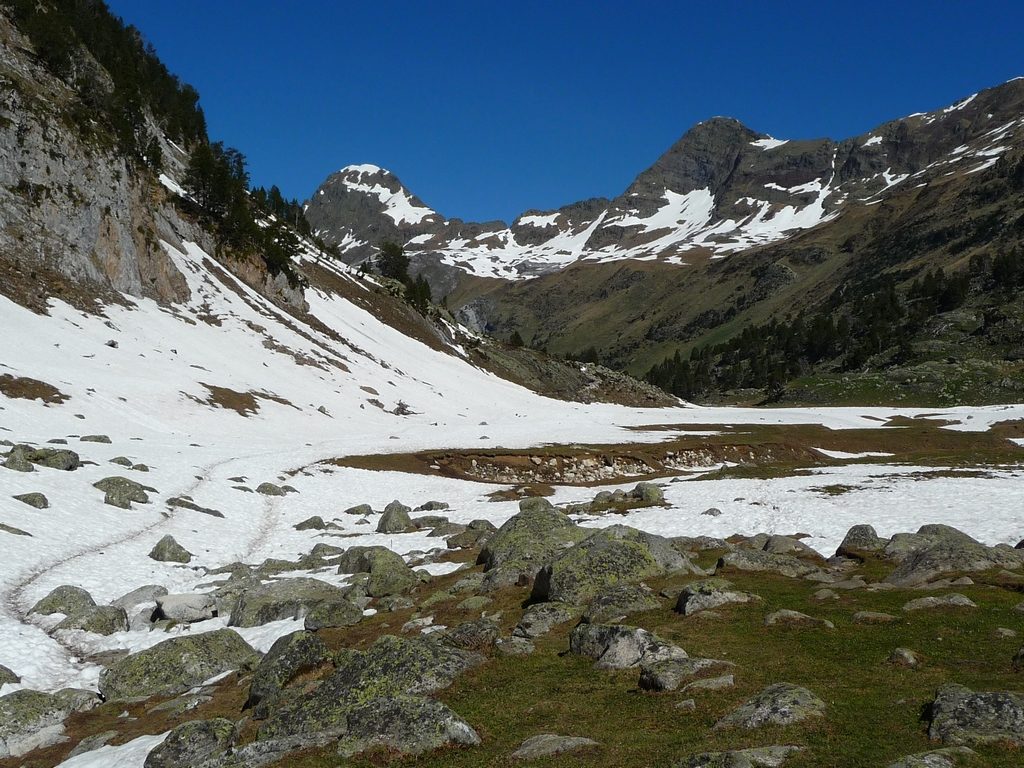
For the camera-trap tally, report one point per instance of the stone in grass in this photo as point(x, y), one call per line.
point(167, 550)
point(788, 618)
point(758, 757)
point(176, 665)
point(952, 600)
point(66, 599)
point(1018, 660)
point(541, 618)
point(948, 757)
point(193, 743)
point(98, 619)
point(37, 500)
point(719, 683)
point(618, 646)
point(708, 594)
point(670, 674)
point(904, 657)
point(778, 704)
point(33, 719)
point(395, 518)
point(549, 744)
point(962, 717)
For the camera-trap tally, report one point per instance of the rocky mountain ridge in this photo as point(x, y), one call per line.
point(721, 189)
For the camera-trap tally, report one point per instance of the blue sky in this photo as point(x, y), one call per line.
point(485, 109)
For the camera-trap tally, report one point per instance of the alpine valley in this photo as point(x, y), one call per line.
point(725, 472)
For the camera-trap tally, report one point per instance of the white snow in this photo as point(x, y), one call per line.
point(872, 141)
point(172, 185)
point(847, 455)
point(768, 143)
point(547, 220)
point(960, 104)
point(130, 755)
point(397, 204)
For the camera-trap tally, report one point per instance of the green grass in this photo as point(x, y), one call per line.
point(874, 709)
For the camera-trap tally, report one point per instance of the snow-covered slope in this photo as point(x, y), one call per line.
point(722, 188)
point(226, 391)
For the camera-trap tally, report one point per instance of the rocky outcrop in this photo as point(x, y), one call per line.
point(32, 719)
point(962, 717)
point(526, 542)
point(290, 598)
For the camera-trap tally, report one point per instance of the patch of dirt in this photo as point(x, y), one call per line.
point(24, 388)
point(242, 403)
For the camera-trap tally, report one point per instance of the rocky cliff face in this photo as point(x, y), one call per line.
point(721, 189)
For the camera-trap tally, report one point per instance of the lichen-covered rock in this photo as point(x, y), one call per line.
point(341, 613)
point(17, 461)
point(756, 560)
point(37, 500)
point(391, 667)
point(959, 716)
point(32, 719)
point(550, 744)
point(612, 604)
point(167, 550)
point(99, 619)
point(476, 533)
point(669, 674)
point(67, 599)
point(479, 635)
point(8, 676)
point(187, 608)
point(395, 518)
point(291, 598)
point(949, 757)
point(778, 704)
point(609, 556)
point(952, 600)
point(710, 593)
point(146, 594)
point(788, 618)
point(270, 489)
point(647, 494)
point(193, 743)
point(860, 542)
point(54, 458)
point(359, 510)
point(618, 646)
point(121, 492)
point(95, 439)
point(176, 665)
point(541, 618)
point(363, 559)
point(409, 725)
point(314, 523)
point(525, 542)
point(758, 757)
point(287, 658)
point(940, 549)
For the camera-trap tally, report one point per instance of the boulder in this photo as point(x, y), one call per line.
point(549, 745)
point(270, 489)
point(37, 500)
point(340, 613)
point(99, 619)
point(904, 657)
point(961, 717)
point(475, 534)
point(758, 757)
point(123, 461)
point(32, 719)
point(145, 594)
point(66, 599)
point(618, 646)
point(778, 704)
point(193, 743)
point(176, 665)
point(759, 561)
point(95, 439)
point(121, 492)
point(433, 506)
point(612, 604)
point(952, 600)
point(408, 725)
point(389, 573)
point(360, 510)
point(647, 494)
point(287, 658)
point(526, 541)
point(479, 635)
point(710, 593)
point(290, 598)
point(1018, 660)
point(391, 667)
point(873, 617)
point(787, 545)
point(314, 523)
point(167, 550)
point(8, 676)
point(186, 608)
point(788, 618)
point(17, 461)
point(670, 674)
point(861, 542)
point(395, 518)
point(541, 618)
point(949, 757)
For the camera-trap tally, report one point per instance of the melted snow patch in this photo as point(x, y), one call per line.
point(130, 755)
point(538, 221)
point(847, 455)
point(872, 141)
point(768, 143)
